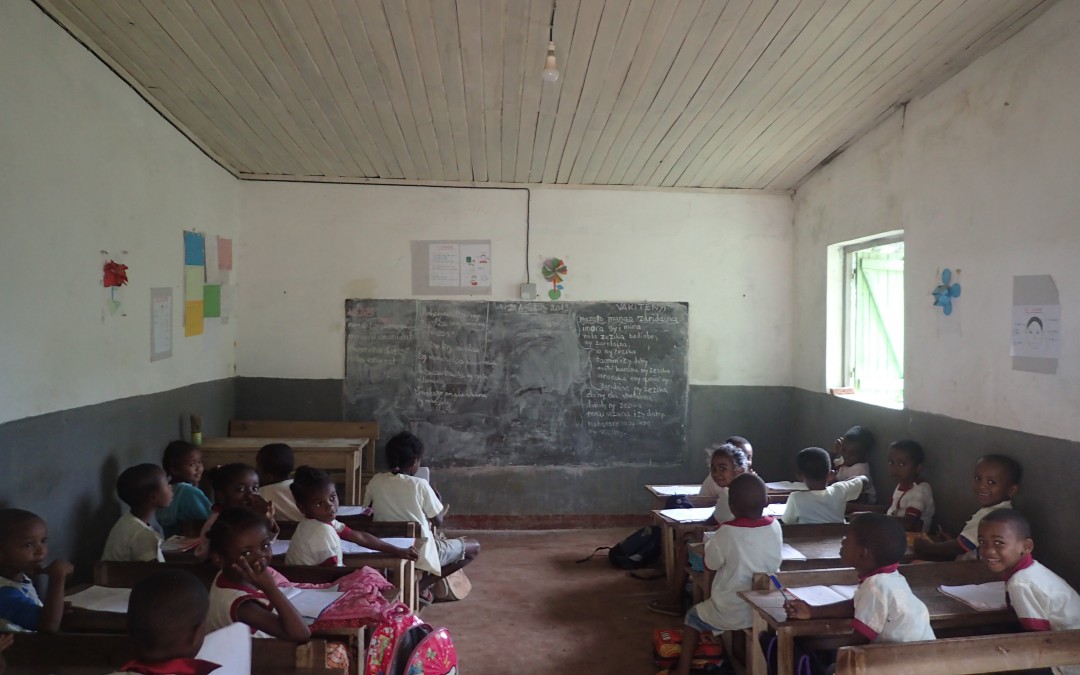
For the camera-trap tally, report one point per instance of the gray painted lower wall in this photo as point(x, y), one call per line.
point(63, 465)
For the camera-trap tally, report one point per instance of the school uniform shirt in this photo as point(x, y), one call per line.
point(284, 502)
point(887, 611)
point(740, 548)
point(172, 667)
point(1042, 601)
point(822, 506)
point(722, 513)
point(403, 498)
point(316, 543)
point(969, 537)
point(189, 504)
point(709, 488)
point(132, 540)
point(845, 472)
point(20, 606)
point(225, 599)
point(915, 499)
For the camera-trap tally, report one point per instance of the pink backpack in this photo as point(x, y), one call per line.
point(402, 644)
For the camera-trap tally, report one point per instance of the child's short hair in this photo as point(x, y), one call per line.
point(914, 451)
point(813, 463)
point(733, 452)
point(229, 522)
point(221, 477)
point(137, 484)
point(163, 610)
point(1011, 466)
point(174, 453)
point(307, 481)
point(13, 520)
point(860, 436)
point(1011, 517)
point(737, 441)
point(747, 494)
point(276, 459)
point(882, 535)
point(403, 449)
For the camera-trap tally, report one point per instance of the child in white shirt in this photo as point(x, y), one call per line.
point(996, 482)
point(912, 500)
point(274, 462)
point(144, 488)
point(850, 453)
point(400, 496)
point(709, 489)
point(23, 550)
point(821, 503)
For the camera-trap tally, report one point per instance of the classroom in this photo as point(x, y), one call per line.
point(969, 157)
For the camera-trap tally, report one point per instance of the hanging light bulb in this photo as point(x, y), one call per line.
point(551, 69)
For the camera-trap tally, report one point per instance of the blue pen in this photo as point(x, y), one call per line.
point(779, 587)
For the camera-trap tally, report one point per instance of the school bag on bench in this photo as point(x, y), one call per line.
point(403, 644)
point(667, 647)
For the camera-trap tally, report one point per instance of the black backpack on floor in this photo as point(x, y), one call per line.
point(640, 549)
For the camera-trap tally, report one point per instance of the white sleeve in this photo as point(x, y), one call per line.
point(709, 488)
point(429, 501)
point(714, 555)
point(791, 512)
point(1029, 605)
point(920, 500)
point(314, 548)
point(146, 547)
point(871, 611)
point(851, 488)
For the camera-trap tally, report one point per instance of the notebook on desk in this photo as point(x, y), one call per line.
point(988, 597)
point(281, 546)
point(688, 515)
point(817, 596)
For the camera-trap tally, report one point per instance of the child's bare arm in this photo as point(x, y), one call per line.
point(368, 540)
point(798, 609)
point(52, 610)
point(287, 624)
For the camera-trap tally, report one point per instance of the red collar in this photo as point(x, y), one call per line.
point(173, 667)
point(224, 582)
point(904, 488)
point(764, 521)
point(888, 569)
point(1025, 562)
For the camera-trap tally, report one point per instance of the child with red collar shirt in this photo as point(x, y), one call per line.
point(913, 500)
point(167, 621)
point(1041, 599)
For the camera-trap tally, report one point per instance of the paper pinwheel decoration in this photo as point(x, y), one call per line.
point(115, 274)
point(553, 271)
point(944, 293)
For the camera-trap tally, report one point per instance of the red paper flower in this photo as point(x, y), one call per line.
point(115, 274)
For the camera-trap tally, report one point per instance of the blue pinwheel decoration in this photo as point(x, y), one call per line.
point(944, 293)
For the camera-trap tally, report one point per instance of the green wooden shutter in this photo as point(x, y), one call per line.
point(878, 336)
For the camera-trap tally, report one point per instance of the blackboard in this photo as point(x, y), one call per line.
point(522, 383)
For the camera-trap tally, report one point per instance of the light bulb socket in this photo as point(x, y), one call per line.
point(551, 67)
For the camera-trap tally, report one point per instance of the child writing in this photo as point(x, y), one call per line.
point(23, 550)
point(912, 500)
point(995, 483)
point(245, 590)
point(821, 503)
point(884, 608)
point(144, 488)
point(400, 496)
point(167, 622)
point(741, 547)
point(709, 487)
point(189, 508)
point(275, 464)
point(850, 453)
point(317, 540)
point(235, 486)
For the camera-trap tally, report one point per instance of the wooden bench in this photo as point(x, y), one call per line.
point(957, 656)
point(306, 429)
point(78, 653)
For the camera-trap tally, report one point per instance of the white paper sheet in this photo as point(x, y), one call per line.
point(817, 596)
point(785, 486)
point(688, 515)
point(984, 597)
point(102, 599)
point(353, 511)
point(281, 546)
point(775, 510)
point(311, 602)
point(229, 647)
point(788, 552)
point(672, 490)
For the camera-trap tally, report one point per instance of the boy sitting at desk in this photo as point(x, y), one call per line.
point(145, 489)
point(741, 547)
point(821, 503)
point(167, 622)
point(23, 548)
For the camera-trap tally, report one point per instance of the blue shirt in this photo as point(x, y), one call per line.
point(188, 504)
point(20, 607)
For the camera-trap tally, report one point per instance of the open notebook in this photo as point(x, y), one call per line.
point(817, 596)
point(230, 648)
point(785, 486)
point(310, 602)
point(280, 546)
point(986, 597)
point(672, 490)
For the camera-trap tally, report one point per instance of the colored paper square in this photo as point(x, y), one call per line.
point(194, 248)
point(212, 301)
point(193, 318)
point(194, 278)
point(224, 253)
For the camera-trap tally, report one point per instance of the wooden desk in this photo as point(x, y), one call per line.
point(332, 454)
point(945, 613)
point(672, 531)
point(660, 493)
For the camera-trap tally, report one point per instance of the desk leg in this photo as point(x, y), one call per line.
point(409, 582)
point(667, 544)
point(785, 652)
point(352, 481)
point(755, 659)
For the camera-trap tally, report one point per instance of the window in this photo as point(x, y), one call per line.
point(873, 316)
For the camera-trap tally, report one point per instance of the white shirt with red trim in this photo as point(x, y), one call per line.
point(722, 513)
point(173, 667)
point(887, 611)
point(132, 540)
point(709, 488)
point(916, 499)
point(845, 472)
point(823, 506)
point(738, 550)
point(226, 596)
point(316, 543)
point(284, 502)
point(969, 537)
point(1043, 601)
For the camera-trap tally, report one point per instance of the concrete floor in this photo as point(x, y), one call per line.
point(534, 611)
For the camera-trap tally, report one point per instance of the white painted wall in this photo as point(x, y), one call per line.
point(982, 175)
point(86, 165)
point(306, 248)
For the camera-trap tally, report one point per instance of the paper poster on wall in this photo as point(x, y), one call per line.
point(461, 267)
point(1036, 324)
point(475, 265)
point(160, 323)
point(444, 265)
point(194, 279)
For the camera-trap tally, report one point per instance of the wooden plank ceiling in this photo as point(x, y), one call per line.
point(672, 93)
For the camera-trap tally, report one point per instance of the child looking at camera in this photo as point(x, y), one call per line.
point(709, 487)
point(821, 503)
point(235, 486)
point(23, 550)
point(144, 488)
point(189, 508)
point(912, 500)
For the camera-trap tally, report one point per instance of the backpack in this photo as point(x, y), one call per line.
point(402, 643)
point(640, 549)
